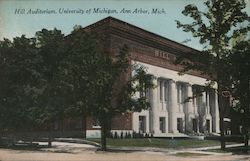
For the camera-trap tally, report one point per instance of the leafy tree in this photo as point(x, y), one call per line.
point(51, 99)
point(215, 27)
point(240, 76)
point(80, 79)
point(45, 78)
point(79, 73)
point(18, 63)
point(31, 91)
point(116, 96)
point(101, 86)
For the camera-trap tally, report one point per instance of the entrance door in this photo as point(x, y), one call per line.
point(162, 124)
point(195, 125)
point(180, 125)
point(142, 124)
point(208, 125)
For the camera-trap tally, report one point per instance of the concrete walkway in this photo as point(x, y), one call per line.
point(77, 140)
point(217, 147)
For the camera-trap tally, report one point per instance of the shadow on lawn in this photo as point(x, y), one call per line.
point(240, 150)
point(24, 146)
point(114, 150)
point(33, 147)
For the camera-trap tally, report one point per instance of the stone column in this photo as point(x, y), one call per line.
point(163, 94)
point(203, 112)
point(208, 105)
point(162, 90)
point(216, 116)
point(154, 120)
point(180, 103)
point(195, 109)
point(147, 124)
point(189, 109)
point(172, 107)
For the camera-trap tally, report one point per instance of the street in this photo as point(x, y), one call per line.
point(83, 152)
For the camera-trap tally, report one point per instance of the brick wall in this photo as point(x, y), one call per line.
point(122, 122)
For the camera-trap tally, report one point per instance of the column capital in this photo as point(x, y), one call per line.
point(188, 86)
point(172, 81)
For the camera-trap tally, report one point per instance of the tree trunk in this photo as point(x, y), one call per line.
point(103, 134)
point(84, 121)
point(244, 101)
point(31, 137)
point(1, 142)
point(246, 140)
point(222, 134)
point(219, 74)
point(221, 114)
point(247, 112)
point(50, 137)
point(246, 125)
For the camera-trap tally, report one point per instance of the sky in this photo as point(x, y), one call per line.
point(14, 23)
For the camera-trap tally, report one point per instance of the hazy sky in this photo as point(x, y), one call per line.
point(13, 23)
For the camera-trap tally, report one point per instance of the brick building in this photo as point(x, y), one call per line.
point(169, 114)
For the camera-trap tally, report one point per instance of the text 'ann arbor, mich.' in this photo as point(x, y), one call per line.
point(22, 11)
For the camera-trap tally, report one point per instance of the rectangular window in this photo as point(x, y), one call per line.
point(142, 124)
point(96, 123)
point(163, 124)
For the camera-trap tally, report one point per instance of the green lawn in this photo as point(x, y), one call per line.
point(160, 143)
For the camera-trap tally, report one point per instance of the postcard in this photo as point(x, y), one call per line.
point(170, 128)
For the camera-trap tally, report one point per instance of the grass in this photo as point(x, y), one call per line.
point(159, 143)
point(24, 147)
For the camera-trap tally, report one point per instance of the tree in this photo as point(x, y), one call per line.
point(119, 97)
point(240, 76)
point(79, 72)
point(215, 28)
point(124, 100)
point(18, 61)
point(31, 91)
point(101, 84)
point(19, 78)
point(51, 99)
point(67, 76)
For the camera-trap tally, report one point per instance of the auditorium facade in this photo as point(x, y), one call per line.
point(170, 114)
